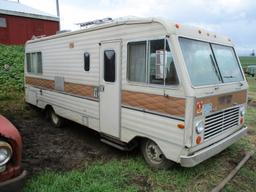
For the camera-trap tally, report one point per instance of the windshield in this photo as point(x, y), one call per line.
point(210, 64)
point(227, 62)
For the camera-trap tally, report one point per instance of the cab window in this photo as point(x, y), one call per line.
point(151, 62)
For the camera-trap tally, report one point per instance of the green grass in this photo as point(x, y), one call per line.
point(131, 174)
point(247, 60)
point(252, 88)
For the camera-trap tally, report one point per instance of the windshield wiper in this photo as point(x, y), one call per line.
point(215, 68)
point(230, 76)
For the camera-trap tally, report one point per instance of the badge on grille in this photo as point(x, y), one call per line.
point(207, 108)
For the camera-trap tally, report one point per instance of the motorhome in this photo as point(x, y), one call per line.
point(177, 92)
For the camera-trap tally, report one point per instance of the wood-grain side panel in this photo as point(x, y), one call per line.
point(44, 83)
point(72, 88)
point(155, 103)
point(78, 89)
point(150, 102)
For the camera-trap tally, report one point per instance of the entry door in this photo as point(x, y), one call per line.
point(110, 87)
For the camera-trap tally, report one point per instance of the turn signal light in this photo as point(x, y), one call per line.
point(181, 126)
point(198, 140)
point(241, 120)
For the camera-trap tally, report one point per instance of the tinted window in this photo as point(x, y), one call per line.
point(109, 66)
point(86, 61)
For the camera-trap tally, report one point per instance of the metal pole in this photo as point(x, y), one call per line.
point(58, 11)
point(57, 7)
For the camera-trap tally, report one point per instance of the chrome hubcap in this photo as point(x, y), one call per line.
point(154, 153)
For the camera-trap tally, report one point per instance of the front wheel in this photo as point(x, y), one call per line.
point(154, 156)
point(56, 120)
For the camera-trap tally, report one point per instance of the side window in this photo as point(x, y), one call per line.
point(161, 65)
point(136, 70)
point(86, 61)
point(3, 22)
point(34, 63)
point(157, 69)
point(28, 62)
point(109, 66)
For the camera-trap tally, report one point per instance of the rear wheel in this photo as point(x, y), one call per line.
point(56, 120)
point(154, 156)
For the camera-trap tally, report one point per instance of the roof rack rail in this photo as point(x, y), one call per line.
point(95, 22)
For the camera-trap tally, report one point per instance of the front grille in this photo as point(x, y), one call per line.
point(220, 121)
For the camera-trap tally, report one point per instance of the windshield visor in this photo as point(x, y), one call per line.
point(210, 64)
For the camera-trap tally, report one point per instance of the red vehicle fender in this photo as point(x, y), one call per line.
point(9, 132)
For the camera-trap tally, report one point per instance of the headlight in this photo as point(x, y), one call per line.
point(199, 127)
point(5, 153)
point(242, 111)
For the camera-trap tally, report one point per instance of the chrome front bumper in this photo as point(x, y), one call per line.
point(206, 153)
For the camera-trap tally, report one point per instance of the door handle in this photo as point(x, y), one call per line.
point(101, 88)
point(97, 90)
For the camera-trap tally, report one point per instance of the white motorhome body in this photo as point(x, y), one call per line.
point(142, 79)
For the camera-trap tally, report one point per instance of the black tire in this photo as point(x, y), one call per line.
point(154, 156)
point(55, 119)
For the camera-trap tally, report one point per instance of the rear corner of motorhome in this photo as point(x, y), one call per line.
point(176, 91)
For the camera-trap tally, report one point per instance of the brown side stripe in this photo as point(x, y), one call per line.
point(155, 103)
point(44, 83)
point(158, 103)
point(78, 89)
point(73, 88)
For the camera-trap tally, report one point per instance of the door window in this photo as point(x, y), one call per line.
point(86, 61)
point(109, 66)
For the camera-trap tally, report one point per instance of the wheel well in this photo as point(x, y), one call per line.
point(48, 108)
point(138, 140)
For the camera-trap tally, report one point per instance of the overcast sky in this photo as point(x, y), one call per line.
point(234, 18)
